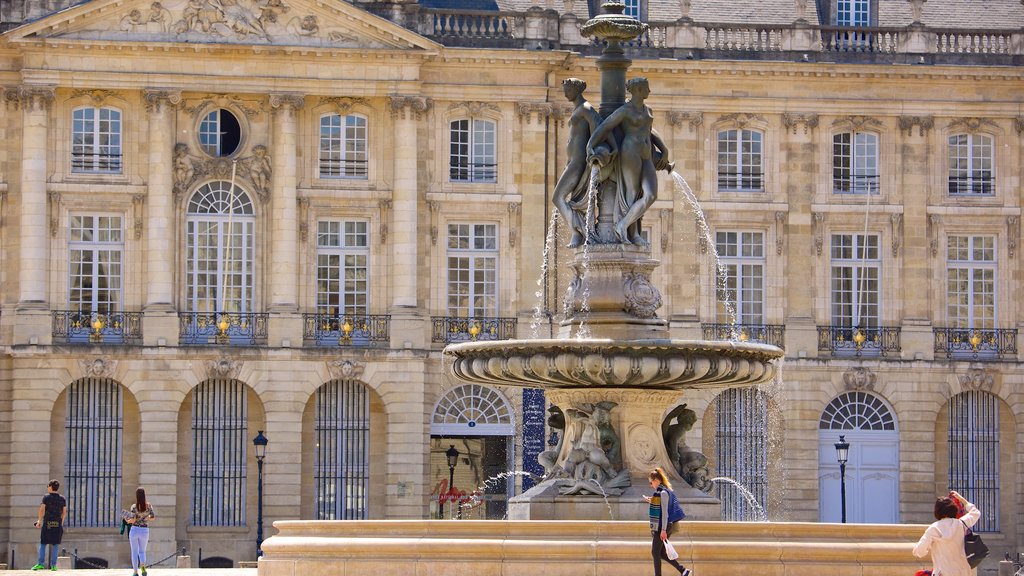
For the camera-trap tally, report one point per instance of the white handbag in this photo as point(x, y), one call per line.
point(670, 551)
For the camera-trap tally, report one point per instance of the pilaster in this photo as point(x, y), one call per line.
point(918, 230)
point(534, 213)
point(284, 272)
point(805, 229)
point(682, 294)
point(36, 102)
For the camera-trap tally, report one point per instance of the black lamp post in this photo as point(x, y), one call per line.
point(260, 443)
point(453, 459)
point(842, 455)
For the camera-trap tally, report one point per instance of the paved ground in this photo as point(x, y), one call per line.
point(152, 572)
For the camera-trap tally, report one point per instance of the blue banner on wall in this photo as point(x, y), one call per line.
point(534, 415)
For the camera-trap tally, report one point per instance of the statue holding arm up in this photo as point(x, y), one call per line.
point(571, 190)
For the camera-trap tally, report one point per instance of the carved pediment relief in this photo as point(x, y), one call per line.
point(254, 22)
point(253, 171)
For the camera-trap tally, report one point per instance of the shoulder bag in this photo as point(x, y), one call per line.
point(974, 546)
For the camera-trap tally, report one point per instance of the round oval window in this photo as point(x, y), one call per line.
point(220, 133)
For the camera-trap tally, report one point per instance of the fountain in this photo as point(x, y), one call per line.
point(611, 374)
point(613, 370)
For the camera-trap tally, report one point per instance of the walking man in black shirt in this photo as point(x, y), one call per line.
point(52, 512)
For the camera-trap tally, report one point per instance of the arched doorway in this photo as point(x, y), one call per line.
point(477, 421)
point(872, 471)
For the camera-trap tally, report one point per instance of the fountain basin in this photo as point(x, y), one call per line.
point(660, 364)
point(557, 548)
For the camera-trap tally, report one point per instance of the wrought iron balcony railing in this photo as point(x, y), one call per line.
point(103, 162)
point(449, 329)
point(850, 341)
point(355, 169)
point(80, 327)
point(740, 182)
point(222, 328)
point(774, 334)
point(855, 184)
point(972, 185)
point(346, 330)
point(976, 343)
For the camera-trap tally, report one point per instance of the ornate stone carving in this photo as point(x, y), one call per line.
point(643, 444)
point(345, 369)
point(741, 120)
point(818, 231)
point(860, 379)
point(971, 124)
point(1018, 123)
point(801, 10)
point(137, 202)
point(158, 100)
point(856, 123)
point(514, 209)
point(690, 463)
point(409, 107)
point(694, 119)
point(96, 96)
point(37, 98)
point(684, 9)
point(434, 207)
point(102, 367)
point(303, 207)
point(223, 369)
point(343, 105)
point(1012, 234)
point(780, 232)
point(933, 233)
point(666, 223)
point(155, 19)
point(642, 298)
point(896, 220)
point(542, 110)
point(793, 121)
point(12, 97)
point(287, 101)
point(923, 123)
point(54, 198)
point(917, 9)
point(385, 216)
point(590, 459)
point(977, 379)
point(474, 108)
point(254, 170)
point(195, 106)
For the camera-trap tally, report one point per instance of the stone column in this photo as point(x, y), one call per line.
point(406, 111)
point(35, 238)
point(534, 213)
point(684, 294)
point(160, 246)
point(283, 274)
point(915, 232)
point(805, 243)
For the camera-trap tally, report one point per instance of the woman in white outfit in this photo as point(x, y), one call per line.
point(944, 539)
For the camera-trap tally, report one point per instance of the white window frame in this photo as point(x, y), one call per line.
point(972, 260)
point(210, 133)
point(96, 241)
point(742, 257)
point(860, 263)
point(853, 13)
point(472, 151)
point(344, 146)
point(343, 245)
point(473, 248)
point(222, 285)
point(740, 162)
point(855, 163)
point(96, 140)
point(971, 159)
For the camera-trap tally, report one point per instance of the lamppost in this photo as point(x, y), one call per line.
point(842, 455)
point(260, 443)
point(453, 459)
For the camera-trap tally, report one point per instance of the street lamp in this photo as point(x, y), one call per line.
point(842, 455)
point(260, 443)
point(453, 459)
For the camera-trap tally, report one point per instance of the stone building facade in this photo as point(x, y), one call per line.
point(219, 218)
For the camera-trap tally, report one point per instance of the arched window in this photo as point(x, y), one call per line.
point(220, 246)
point(857, 411)
point(343, 149)
point(220, 444)
point(974, 453)
point(472, 152)
point(741, 447)
point(971, 160)
point(740, 161)
point(93, 431)
point(855, 163)
point(341, 469)
point(472, 409)
point(96, 140)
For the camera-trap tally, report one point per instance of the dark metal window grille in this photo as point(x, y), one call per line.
point(974, 453)
point(741, 438)
point(92, 467)
point(857, 411)
point(220, 444)
point(342, 454)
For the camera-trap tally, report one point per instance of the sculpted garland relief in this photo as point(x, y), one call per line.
point(234, 20)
